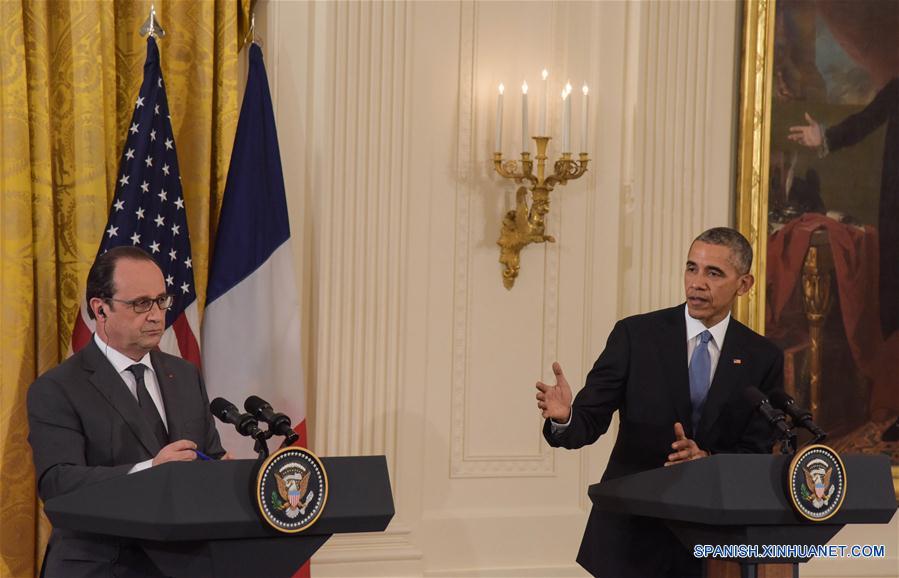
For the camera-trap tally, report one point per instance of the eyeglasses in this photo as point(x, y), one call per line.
point(144, 304)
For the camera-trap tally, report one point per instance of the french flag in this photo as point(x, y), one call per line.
point(251, 328)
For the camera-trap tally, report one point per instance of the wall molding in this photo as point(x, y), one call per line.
point(357, 102)
point(469, 155)
point(393, 544)
point(674, 192)
point(363, 231)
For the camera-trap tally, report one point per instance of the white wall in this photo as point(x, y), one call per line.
point(414, 347)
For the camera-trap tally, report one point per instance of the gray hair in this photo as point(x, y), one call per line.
point(740, 249)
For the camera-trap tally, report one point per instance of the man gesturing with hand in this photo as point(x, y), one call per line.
point(674, 377)
point(555, 401)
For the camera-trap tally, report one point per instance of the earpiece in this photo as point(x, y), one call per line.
point(101, 313)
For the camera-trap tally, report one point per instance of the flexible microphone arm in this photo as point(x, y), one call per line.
point(800, 416)
point(227, 412)
point(774, 417)
point(278, 423)
point(244, 423)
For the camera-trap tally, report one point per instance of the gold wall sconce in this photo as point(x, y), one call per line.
point(526, 223)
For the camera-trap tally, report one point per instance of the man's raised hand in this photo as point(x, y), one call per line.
point(554, 401)
point(809, 135)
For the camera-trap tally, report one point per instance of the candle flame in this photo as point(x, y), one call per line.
point(568, 87)
point(564, 94)
point(585, 89)
point(524, 87)
point(545, 73)
point(502, 88)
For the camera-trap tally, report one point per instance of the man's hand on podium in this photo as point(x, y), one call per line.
point(179, 451)
point(684, 448)
point(554, 401)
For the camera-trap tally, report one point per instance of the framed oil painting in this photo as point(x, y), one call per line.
point(818, 197)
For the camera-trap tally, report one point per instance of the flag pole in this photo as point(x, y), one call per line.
point(250, 38)
point(152, 25)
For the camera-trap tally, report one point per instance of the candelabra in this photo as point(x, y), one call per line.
point(526, 223)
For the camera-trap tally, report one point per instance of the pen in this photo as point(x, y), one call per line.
point(203, 456)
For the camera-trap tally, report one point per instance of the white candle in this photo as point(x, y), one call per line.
point(524, 118)
point(565, 135)
point(544, 106)
point(567, 139)
point(498, 146)
point(584, 119)
point(568, 117)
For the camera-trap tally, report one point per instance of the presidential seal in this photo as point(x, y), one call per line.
point(291, 489)
point(817, 482)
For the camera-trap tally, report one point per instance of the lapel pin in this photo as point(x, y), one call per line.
point(738, 361)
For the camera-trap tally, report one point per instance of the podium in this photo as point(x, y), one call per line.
point(742, 499)
point(199, 518)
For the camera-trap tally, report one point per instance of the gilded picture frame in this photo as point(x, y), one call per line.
point(754, 164)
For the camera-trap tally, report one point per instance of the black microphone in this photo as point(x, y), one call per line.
point(800, 416)
point(277, 422)
point(244, 423)
point(775, 417)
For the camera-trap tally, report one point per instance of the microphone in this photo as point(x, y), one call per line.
point(277, 422)
point(244, 423)
point(800, 416)
point(775, 417)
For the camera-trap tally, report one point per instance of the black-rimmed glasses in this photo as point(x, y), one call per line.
point(144, 304)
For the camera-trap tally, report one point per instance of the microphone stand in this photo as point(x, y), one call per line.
point(261, 445)
point(788, 443)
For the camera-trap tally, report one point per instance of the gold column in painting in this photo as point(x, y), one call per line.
point(817, 299)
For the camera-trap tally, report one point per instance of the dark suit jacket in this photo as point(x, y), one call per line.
point(86, 427)
point(643, 374)
point(884, 109)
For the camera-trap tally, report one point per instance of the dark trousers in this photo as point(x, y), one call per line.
point(622, 546)
point(83, 557)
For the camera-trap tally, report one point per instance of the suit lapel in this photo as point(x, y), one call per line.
point(107, 380)
point(724, 381)
point(165, 377)
point(675, 363)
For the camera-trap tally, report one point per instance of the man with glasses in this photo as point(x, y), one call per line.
point(116, 407)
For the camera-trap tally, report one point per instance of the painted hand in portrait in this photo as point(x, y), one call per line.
point(832, 268)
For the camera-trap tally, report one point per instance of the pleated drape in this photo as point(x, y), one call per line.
point(69, 74)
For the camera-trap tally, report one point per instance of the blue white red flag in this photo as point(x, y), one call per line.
point(251, 329)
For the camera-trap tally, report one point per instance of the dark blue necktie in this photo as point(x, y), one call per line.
point(700, 377)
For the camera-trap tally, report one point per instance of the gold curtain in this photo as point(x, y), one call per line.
point(69, 74)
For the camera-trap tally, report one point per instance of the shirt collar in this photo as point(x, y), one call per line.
point(119, 360)
point(695, 327)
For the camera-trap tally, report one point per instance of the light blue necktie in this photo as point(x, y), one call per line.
point(700, 377)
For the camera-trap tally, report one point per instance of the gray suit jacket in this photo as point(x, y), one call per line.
point(86, 427)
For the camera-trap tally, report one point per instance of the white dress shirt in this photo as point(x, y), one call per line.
point(694, 328)
point(121, 363)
